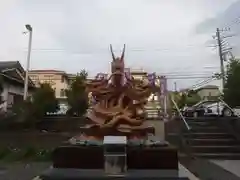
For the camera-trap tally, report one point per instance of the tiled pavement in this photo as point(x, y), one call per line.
point(19, 171)
point(184, 172)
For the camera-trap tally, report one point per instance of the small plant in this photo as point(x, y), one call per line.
point(15, 154)
point(44, 155)
point(29, 152)
point(4, 152)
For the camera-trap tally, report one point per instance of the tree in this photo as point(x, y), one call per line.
point(232, 86)
point(187, 98)
point(1, 88)
point(44, 100)
point(30, 111)
point(77, 96)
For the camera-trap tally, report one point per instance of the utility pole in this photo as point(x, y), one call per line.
point(175, 86)
point(220, 51)
point(29, 28)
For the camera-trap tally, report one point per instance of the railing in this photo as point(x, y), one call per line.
point(182, 117)
point(185, 143)
point(229, 107)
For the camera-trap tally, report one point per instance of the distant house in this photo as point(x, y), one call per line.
point(12, 81)
point(208, 92)
point(138, 73)
point(59, 81)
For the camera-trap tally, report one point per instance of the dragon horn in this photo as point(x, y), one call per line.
point(112, 52)
point(123, 52)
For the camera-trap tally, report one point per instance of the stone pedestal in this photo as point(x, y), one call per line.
point(83, 162)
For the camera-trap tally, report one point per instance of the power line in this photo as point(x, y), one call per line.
point(235, 21)
point(190, 77)
point(220, 49)
point(106, 50)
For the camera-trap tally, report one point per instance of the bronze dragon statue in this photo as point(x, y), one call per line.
point(120, 101)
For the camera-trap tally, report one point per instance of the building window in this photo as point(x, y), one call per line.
point(62, 79)
point(48, 79)
point(62, 92)
point(34, 78)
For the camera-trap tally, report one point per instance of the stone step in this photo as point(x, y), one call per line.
point(216, 149)
point(201, 124)
point(207, 135)
point(202, 119)
point(222, 141)
point(225, 156)
point(211, 129)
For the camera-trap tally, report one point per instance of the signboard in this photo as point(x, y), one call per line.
point(163, 93)
point(101, 76)
point(127, 73)
point(152, 78)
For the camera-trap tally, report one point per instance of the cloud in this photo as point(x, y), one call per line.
point(76, 34)
point(229, 18)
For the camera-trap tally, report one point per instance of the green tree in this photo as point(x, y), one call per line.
point(187, 98)
point(1, 88)
point(77, 96)
point(193, 99)
point(232, 86)
point(44, 100)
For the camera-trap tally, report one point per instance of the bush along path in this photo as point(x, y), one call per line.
point(25, 154)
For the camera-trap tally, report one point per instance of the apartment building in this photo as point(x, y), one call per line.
point(138, 73)
point(57, 79)
point(12, 84)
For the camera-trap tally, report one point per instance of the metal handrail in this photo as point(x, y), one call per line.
point(184, 120)
point(228, 106)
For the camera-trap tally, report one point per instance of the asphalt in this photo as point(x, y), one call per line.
point(22, 171)
point(30, 171)
point(194, 170)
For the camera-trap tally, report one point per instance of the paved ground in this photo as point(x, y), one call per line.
point(232, 166)
point(20, 171)
point(184, 172)
point(28, 171)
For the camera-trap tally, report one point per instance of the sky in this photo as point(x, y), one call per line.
point(167, 37)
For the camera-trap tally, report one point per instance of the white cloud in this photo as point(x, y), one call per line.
point(77, 33)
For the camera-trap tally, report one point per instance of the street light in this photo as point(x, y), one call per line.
point(30, 30)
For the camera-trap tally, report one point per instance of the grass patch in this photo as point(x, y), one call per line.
point(26, 154)
point(43, 155)
point(4, 152)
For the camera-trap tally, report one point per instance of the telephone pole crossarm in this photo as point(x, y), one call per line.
point(221, 54)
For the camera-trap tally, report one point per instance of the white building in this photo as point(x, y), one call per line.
point(12, 82)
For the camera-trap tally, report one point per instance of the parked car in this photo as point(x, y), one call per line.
point(208, 108)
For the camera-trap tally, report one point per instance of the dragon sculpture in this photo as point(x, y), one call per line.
point(119, 103)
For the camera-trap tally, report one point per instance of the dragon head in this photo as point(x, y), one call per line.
point(117, 62)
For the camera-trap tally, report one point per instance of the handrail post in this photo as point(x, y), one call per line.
point(229, 107)
point(184, 120)
point(184, 142)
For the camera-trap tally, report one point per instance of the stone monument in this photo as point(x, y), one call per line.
point(118, 141)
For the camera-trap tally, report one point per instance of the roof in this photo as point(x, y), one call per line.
point(13, 71)
point(9, 64)
point(138, 71)
point(208, 87)
point(47, 71)
point(71, 76)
